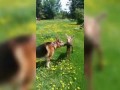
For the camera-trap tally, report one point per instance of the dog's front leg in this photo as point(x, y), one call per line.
point(48, 62)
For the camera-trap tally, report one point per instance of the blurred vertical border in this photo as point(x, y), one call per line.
point(17, 17)
point(108, 79)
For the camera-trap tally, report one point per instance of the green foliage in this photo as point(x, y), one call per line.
point(47, 9)
point(62, 15)
point(79, 14)
point(39, 9)
point(75, 4)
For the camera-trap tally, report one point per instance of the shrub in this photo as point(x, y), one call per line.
point(79, 14)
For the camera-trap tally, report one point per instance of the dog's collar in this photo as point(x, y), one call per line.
point(54, 44)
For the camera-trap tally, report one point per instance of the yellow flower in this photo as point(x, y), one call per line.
point(75, 78)
point(39, 84)
point(78, 88)
point(63, 85)
point(71, 82)
point(53, 85)
point(68, 87)
point(53, 89)
point(37, 77)
point(70, 67)
point(61, 81)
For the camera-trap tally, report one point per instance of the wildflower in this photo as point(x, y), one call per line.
point(63, 85)
point(78, 88)
point(70, 67)
point(71, 82)
point(52, 88)
point(40, 84)
point(53, 85)
point(75, 78)
point(37, 77)
point(61, 68)
point(61, 81)
point(68, 87)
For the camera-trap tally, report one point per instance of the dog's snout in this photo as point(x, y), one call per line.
point(62, 43)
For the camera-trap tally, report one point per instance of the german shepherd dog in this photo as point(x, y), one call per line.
point(47, 50)
point(18, 62)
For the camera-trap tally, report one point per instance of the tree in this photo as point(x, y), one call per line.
point(75, 4)
point(39, 9)
point(47, 9)
point(79, 15)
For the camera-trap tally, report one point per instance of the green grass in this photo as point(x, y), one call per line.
point(64, 74)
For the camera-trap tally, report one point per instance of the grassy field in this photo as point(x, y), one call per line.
point(64, 74)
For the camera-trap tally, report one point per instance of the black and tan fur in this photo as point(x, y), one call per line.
point(69, 45)
point(47, 50)
point(17, 62)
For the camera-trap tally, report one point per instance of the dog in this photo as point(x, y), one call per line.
point(91, 43)
point(69, 45)
point(18, 62)
point(47, 50)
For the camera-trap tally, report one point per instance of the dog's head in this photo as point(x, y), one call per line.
point(92, 27)
point(69, 38)
point(58, 43)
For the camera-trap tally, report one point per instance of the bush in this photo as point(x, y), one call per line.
point(79, 14)
point(62, 15)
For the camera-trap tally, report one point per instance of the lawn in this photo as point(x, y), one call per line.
point(64, 74)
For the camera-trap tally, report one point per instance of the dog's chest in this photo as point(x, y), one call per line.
point(50, 50)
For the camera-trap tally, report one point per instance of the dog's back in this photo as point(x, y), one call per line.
point(41, 51)
point(17, 58)
point(8, 63)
